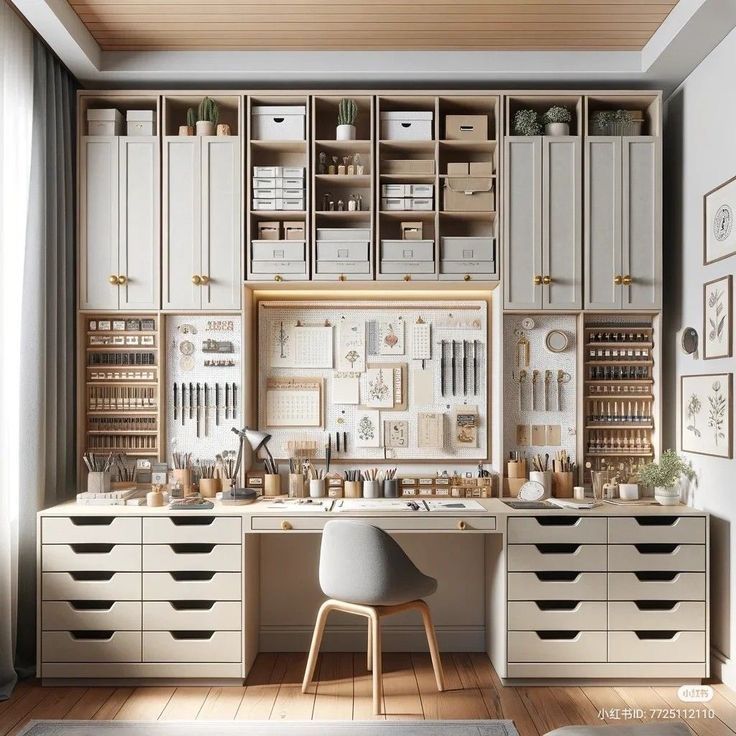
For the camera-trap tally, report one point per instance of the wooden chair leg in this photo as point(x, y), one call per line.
point(369, 649)
point(319, 628)
point(432, 641)
point(375, 620)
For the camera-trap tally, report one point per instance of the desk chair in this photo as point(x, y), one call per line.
point(364, 571)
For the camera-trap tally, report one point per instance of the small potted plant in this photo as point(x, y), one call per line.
point(347, 114)
point(557, 120)
point(188, 129)
point(207, 116)
point(526, 122)
point(612, 122)
point(664, 477)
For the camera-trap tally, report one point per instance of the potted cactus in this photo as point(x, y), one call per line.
point(188, 129)
point(347, 113)
point(557, 121)
point(207, 116)
point(665, 476)
point(526, 122)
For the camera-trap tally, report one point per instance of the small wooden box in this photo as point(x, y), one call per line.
point(294, 231)
point(269, 230)
point(411, 230)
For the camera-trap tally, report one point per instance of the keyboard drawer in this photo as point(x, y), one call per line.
point(656, 615)
point(642, 586)
point(91, 556)
point(192, 556)
point(91, 646)
point(98, 615)
point(540, 557)
point(178, 586)
point(557, 646)
point(199, 528)
point(656, 556)
point(86, 586)
point(90, 529)
point(556, 529)
point(418, 523)
point(639, 646)
point(200, 646)
point(556, 615)
point(191, 615)
point(584, 586)
point(657, 528)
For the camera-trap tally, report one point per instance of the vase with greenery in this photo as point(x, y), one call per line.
point(665, 475)
point(208, 114)
point(347, 114)
point(526, 122)
point(613, 122)
point(557, 120)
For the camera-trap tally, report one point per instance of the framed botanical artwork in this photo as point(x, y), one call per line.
point(706, 421)
point(719, 213)
point(718, 318)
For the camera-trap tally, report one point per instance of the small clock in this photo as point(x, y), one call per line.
point(532, 490)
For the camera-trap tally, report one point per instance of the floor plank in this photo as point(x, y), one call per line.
point(185, 704)
point(333, 686)
point(576, 706)
point(114, 703)
point(222, 704)
point(291, 704)
point(608, 703)
point(57, 703)
point(543, 708)
point(400, 688)
point(145, 704)
point(86, 707)
point(262, 688)
point(19, 706)
point(362, 691)
point(452, 704)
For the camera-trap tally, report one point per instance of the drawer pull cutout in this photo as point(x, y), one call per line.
point(192, 520)
point(192, 605)
point(194, 575)
point(199, 635)
point(553, 635)
point(88, 576)
point(557, 520)
point(656, 549)
point(660, 576)
point(92, 635)
point(90, 548)
point(555, 576)
point(557, 549)
point(658, 635)
point(656, 520)
point(92, 605)
point(656, 605)
point(91, 520)
point(557, 605)
point(191, 548)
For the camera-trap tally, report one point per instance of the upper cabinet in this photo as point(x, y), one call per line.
point(119, 224)
point(542, 201)
point(202, 206)
point(623, 203)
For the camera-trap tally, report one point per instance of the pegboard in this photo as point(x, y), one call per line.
point(189, 367)
point(393, 349)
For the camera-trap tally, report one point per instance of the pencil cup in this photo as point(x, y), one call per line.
point(628, 491)
point(545, 478)
point(272, 484)
point(184, 476)
point(226, 484)
point(317, 488)
point(296, 485)
point(391, 488)
point(353, 489)
point(516, 469)
point(562, 485)
point(579, 493)
point(208, 487)
point(371, 489)
point(98, 482)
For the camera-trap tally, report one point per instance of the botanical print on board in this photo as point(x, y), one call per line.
point(391, 337)
point(719, 212)
point(706, 421)
point(717, 318)
point(367, 429)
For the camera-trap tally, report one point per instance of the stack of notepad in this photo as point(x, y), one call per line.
point(118, 497)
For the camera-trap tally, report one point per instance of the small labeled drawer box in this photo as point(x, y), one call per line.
point(277, 182)
point(104, 121)
point(278, 250)
point(420, 203)
point(294, 231)
point(279, 123)
point(278, 204)
point(394, 190)
point(268, 172)
point(343, 267)
point(140, 122)
point(466, 127)
point(413, 125)
point(419, 190)
point(395, 203)
point(407, 267)
point(269, 230)
point(461, 248)
point(278, 267)
point(345, 250)
point(407, 250)
point(343, 233)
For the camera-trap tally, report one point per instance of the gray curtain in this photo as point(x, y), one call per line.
point(48, 327)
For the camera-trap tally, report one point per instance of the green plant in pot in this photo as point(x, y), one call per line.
point(665, 475)
point(188, 129)
point(347, 114)
point(526, 122)
point(612, 122)
point(208, 114)
point(557, 120)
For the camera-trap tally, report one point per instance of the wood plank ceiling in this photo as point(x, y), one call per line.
point(493, 25)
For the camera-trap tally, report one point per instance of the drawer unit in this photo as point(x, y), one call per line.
point(403, 251)
point(192, 646)
point(192, 556)
point(407, 190)
point(657, 528)
point(559, 529)
point(86, 586)
point(96, 615)
point(286, 172)
point(656, 615)
point(344, 233)
point(568, 586)
point(203, 529)
point(557, 646)
point(90, 529)
point(425, 523)
point(272, 268)
point(276, 182)
point(91, 646)
point(656, 556)
point(278, 250)
point(295, 205)
point(178, 586)
point(91, 556)
point(670, 586)
point(556, 615)
point(540, 557)
point(192, 615)
point(342, 250)
point(656, 646)
point(456, 248)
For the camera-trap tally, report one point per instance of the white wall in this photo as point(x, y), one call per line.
point(700, 154)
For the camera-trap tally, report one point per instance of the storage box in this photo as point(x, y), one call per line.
point(140, 122)
point(466, 127)
point(104, 121)
point(278, 250)
point(292, 172)
point(294, 230)
point(278, 203)
point(419, 190)
point(468, 194)
point(279, 123)
point(342, 250)
point(458, 168)
point(278, 267)
point(420, 203)
point(394, 203)
point(411, 230)
point(481, 168)
point(411, 250)
point(422, 166)
point(412, 125)
point(277, 182)
point(268, 171)
point(269, 230)
point(343, 233)
point(394, 190)
point(456, 248)
point(292, 193)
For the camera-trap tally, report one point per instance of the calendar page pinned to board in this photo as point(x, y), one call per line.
point(377, 380)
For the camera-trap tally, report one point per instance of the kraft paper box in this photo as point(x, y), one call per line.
point(294, 231)
point(481, 168)
point(468, 194)
point(466, 127)
point(458, 169)
point(269, 230)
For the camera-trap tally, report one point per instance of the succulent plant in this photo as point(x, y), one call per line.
point(191, 118)
point(208, 111)
point(526, 122)
point(347, 112)
point(557, 114)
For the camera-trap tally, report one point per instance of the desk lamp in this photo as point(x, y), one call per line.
point(257, 440)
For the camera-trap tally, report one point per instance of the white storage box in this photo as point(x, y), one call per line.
point(407, 267)
point(268, 171)
point(456, 248)
point(395, 190)
point(104, 121)
point(395, 203)
point(266, 193)
point(420, 203)
point(141, 122)
point(343, 267)
point(407, 250)
point(277, 250)
point(413, 125)
point(278, 204)
point(343, 233)
point(276, 267)
point(279, 123)
point(342, 250)
point(292, 193)
point(292, 172)
point(420, 190)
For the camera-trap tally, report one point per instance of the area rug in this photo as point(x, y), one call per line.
point(269, 728)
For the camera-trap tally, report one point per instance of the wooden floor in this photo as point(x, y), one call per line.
point(273, 691)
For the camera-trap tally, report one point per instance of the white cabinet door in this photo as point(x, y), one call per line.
point(221, 222)
point(182, 257)
point(140, 242)
point(603, 263)
point(562, 222)
point(522, 222)
point(98, 222)
point(641, 232)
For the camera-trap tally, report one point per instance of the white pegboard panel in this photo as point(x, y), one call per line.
point(459, 320)
point(182, 437)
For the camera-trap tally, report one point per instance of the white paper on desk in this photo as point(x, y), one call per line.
point(459, 504)
point(422, 387)
point(346, 388)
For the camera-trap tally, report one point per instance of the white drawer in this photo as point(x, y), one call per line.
point(178, 586)
point(557, 556)
point(647, 646)
point(91, 556)
point(192, 615)
point(99, 615)
point(428, 523)
point(407, 250)
point(656, 615)
point(272, 267)
point(488, 267)
point(657, 528)
point(200, 646)
point(91, 646)
point(468, 248)
point(195, 528)
point(390, 204)
point(642, 586)
point(420, 203)
point(408, 267)
point(342, 250)
point(556, 615)
point(656, 556)
point(554, 528)
point(557, 646)
point(583, 586)
point(79, 529)
point(277, 182)
point(419, 190)
point(192, 556)
point(278, 250)
point(343, 267)
point(395, 190)
point(344, 233)
point(86, 586)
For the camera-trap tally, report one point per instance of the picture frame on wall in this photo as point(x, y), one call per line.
point(706, 414)
point(718, 318)
point(719, 213)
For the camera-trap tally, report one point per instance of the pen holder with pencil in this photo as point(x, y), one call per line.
point(98, 481)
point(184, 477)
point(562, 483)
point(208, 487)
point(545, 478)
point(353, 489)
point(390, 488)
point(317, 488)
point(296, 485)
point(516, 469)
point(372, 489)
point(271, 484)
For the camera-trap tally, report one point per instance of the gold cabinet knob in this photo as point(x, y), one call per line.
point(113, 279)
point(196, 280)
point(407, 277)
point(462, 525)
point(286, 525)
point(122, 280)
point(626, 280)
point(547, 280)
point(204, 280)
point(342, 277)
point(466, 277)
point(278, 278)
point(618, 280)
point(537, 281)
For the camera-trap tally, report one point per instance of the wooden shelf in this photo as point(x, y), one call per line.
point(634, 363)
point(348, 178)
point(626, 345)
point(619, 397)
point(621, 382)
point(619, 426)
